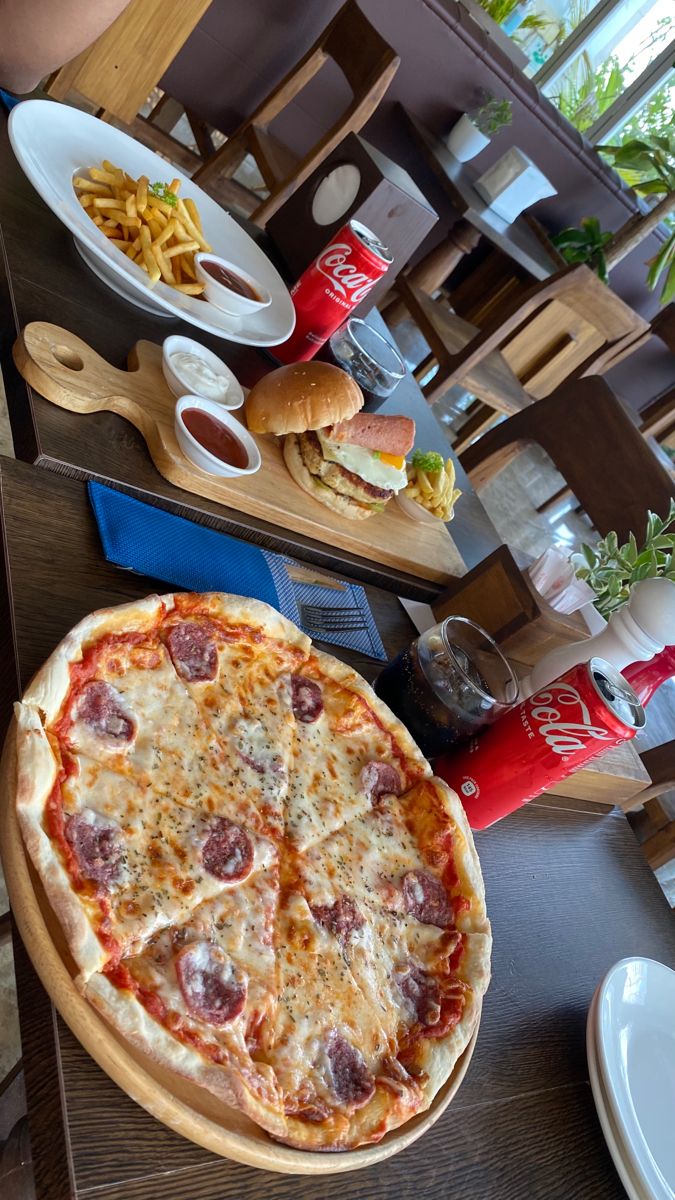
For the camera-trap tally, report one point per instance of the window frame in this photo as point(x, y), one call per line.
point(630, 100)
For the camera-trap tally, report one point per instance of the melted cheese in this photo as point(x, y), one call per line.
point(233, 747)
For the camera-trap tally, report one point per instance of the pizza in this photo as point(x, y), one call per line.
point(260, 881)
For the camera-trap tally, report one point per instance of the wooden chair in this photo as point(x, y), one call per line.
point(557, 330)
point(120, 69)
point(369, 65)
point(599, 451)
point(433, 271)
point(561, 328)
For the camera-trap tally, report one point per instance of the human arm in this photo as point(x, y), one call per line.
point(37, 36)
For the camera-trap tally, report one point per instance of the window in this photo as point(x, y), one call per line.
point(606, 64)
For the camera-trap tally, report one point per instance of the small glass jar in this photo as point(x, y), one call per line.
point(448, 685)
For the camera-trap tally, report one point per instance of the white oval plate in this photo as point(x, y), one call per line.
point(54, 142)
point(607, 1122)
point(635, 1035)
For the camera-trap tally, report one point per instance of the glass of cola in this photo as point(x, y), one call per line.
point(368, 357)
point(448, 685)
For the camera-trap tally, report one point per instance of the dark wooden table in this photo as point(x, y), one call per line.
point(518, 240)
point(568, 895)
point(42, 277)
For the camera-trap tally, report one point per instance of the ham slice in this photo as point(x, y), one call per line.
point(374, 431)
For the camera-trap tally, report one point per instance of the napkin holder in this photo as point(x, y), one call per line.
point(355, 182)
point(512, 184)
point(501, 598)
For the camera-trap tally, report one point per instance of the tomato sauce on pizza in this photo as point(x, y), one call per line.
point(259, 879)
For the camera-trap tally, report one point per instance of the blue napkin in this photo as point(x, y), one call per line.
point(7, 100)
point(157, 543)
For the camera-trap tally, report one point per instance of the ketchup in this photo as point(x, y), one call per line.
point(229, 279)
point(215, 437)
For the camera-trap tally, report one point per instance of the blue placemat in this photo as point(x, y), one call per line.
point(8, 101)
point(141, 538)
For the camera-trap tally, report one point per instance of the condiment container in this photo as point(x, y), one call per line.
point(198, 450)
point(185, 378)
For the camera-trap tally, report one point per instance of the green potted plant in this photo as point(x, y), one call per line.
point(473, 131)
point(648, 166)
point(585, 245)
point(611, 569)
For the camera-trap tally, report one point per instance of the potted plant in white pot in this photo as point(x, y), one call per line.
point(475, 128)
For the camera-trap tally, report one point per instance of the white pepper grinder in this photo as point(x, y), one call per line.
point(637, 631)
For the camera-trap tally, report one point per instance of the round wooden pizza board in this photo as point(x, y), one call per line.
point(183, 1106)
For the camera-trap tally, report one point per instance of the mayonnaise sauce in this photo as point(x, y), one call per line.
point(199, 378)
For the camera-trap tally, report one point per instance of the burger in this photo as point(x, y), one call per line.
point(352, 462)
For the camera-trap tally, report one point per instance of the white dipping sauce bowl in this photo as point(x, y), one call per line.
point(223, 297)
point(199, 455)
point(417, 512)
point(234, 398)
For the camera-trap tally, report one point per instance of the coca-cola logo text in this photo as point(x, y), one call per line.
point(564, 735)
point(344, 276)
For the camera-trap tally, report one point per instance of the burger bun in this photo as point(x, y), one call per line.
point(302, 396)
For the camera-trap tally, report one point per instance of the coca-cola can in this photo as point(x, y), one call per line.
point(328, 291)
point(542, 741)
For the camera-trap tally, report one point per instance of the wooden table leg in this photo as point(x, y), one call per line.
point(434, 269)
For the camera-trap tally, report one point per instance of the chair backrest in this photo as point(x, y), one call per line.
point(365, 59)
point(119, 70)
point(563, 325)
point(598, 449)
point(359, 50)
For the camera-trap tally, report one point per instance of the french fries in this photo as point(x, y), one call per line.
point(147, 222)
point(431, 482)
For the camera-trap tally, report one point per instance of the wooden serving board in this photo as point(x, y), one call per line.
point(64, 369)
point(186, 1108)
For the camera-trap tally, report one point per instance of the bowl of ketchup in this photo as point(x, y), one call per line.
point(213, 439)
point(228, 287)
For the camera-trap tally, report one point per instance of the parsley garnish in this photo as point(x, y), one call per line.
point(163, 192)
point(427, 460)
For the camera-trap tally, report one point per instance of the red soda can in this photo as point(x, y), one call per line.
point(328, 291)
point(542, 741)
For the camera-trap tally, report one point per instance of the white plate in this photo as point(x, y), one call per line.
point(635, 1037)
point(612, 1135)
point(54, 142)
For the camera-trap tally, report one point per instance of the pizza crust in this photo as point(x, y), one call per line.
point(250, 1087)
point(131, 1019)
point(37, 771)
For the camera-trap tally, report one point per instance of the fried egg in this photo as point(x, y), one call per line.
point(376, 467)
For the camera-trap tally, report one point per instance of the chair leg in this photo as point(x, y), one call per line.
point(224, 163)
point(494, 449)
point(646, 794)
point(562, 493)
point(422, 369)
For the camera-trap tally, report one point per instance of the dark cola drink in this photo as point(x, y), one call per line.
point(448, 685)
point(369, 358)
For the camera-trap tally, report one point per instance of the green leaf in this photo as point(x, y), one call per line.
point(654, 526)
point(589, 554)
point(612, 541)
point(668, 292)
point(163, 192)
point(664, 541)
point(631, 549)
point(650, 187)
point(427, 460)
